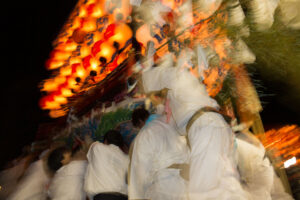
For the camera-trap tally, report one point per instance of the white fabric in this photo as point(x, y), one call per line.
point(67, 184)
point(213, 173)
point(278, 192)
point(106, 170)
point(256, 170)
point(186, 93)
point(34, 185)
point(156, 147)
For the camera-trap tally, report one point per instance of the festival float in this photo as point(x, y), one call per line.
point(104, 44)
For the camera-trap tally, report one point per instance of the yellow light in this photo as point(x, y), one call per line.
point(66, 92)
point(52, 105)
point(85, 51)
point(65, 71)
point(71, 46)
point(60, 80)
point(74, 60)
point(80, 73)
point(60, 99)
point(49, 86)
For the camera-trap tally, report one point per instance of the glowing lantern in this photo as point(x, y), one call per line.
point(74, 60)
point(54, 64)
point(72, 83)
point(82, 12)
point(85, 51)
point(96, 47)
point(66, 71)
point(89, 24)
point(70, 45)
point(94, 10)
point(49, 86)
point(57, 113)
point(94, 64)
point(106, 52)
point(48, 102)
point(65, 92)
point(122, 33)
point(60, 80)
point(60, 54)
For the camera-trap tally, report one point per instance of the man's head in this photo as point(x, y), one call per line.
point(58, 157)
point(114, 137)
point(139, 117)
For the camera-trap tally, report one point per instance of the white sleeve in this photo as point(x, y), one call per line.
point(160, 77)
point(140, 176)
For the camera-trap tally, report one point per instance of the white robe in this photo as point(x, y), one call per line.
point(257, 172)
point(67, 184)
point(107, 169)
point(156, 147)
point(34, 185)
point(213, 173)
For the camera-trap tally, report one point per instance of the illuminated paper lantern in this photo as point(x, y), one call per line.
point(106, 53)
point(122, 33)
point(89, 24)
point(53, 64)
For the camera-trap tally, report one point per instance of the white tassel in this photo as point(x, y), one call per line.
point(236, 15)
point(242, 53)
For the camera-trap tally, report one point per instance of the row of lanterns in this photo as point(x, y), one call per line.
point(90, 46)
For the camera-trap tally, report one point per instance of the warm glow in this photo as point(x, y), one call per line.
point(49, 86)
point(283, 142)
point(85, 51)
point(52, 105)
point(57, 113)
point(89, 24)
point(106, 51)
point(94, 64)
point(80, 72)
point(290, 162)
point(66, 92)
point(60, 99)
point(60, 80)
point(75, 60)
point(66, 71)
point(70, 46)
point(54, 64)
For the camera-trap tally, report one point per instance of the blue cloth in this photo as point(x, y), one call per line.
point(151, 118)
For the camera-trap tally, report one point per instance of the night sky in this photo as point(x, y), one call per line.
point(27, 31)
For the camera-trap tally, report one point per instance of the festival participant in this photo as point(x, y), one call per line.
point(107, 168)
point(213, 173)
point(35, 182)
point(158, 158)
point(67, 184)
point(256, 171)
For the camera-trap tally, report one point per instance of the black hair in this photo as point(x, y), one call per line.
point(114, 137)
point(55, 158)
point(138, 115)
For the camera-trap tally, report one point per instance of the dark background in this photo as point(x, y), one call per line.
point(27, 31)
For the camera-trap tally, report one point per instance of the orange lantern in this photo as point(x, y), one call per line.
point(89, 24)
point(122, 33)
point(94, 10)
point(106, 52)
point(85, 51)
point(54, 64)
point(70, 46)
point(66, 71)
point(57, 113)
point(49, 86)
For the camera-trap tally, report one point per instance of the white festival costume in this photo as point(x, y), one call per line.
point(67, 184)
point(256, 170)
point(156, 148)
point(213, 173)
point(107, 169)
point(34, 185)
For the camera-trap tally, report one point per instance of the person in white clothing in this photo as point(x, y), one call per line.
point(213, 172)
point(67, 183)
point(107, 168)
point(35, 183)
point(256, 171)
point(157, 163)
